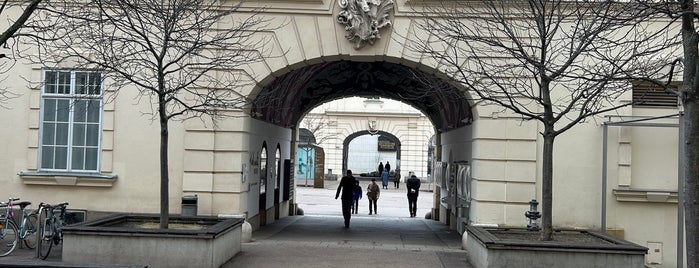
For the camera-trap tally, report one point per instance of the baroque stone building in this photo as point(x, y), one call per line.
point(610, 171)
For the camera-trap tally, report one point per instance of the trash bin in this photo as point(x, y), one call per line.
point(189, 205)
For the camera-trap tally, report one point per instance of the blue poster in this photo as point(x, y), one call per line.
point(305, 162)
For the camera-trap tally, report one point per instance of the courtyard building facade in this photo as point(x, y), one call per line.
point(67, 137)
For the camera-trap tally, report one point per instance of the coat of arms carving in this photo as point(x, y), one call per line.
point(363, 19)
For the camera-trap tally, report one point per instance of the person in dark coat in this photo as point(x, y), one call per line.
point(396, 179)
point(387, 167)
point(347, 184)
point(380, 168)
point(357, 196)
point(372, 193)
point(413, 185)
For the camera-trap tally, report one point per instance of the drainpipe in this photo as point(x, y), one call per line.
point(605, 131)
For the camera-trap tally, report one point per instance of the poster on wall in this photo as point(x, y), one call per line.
point(304, 165)
point(386, 144)
point(319, 167)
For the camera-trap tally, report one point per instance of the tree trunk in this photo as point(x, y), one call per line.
point(547, 186)
point(164, 175)
point(689, 95)
point(691, 191)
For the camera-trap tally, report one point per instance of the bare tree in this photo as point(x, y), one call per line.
point(15, 25)
point(557, 62)
point(318, 125)
point(687, 13)
point(184, 56)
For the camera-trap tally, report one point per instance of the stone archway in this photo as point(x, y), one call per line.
point(288, 96)
point(285, 100)
point(348, 139)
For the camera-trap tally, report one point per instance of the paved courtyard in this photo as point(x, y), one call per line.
point(319, 239)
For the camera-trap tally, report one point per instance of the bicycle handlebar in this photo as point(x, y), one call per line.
point(9, 202)
point(47, 205)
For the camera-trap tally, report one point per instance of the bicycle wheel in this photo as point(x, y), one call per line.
point(29, 235)
point(45, 241)
point(8, 237)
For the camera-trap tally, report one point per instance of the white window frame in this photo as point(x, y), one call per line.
point(72, 97)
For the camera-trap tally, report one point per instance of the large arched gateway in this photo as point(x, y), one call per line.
point(285, 100)
point(318, 52)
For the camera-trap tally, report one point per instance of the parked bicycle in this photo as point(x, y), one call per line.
point(50, 234)
point(11, 233)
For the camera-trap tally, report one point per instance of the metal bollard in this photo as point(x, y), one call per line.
point(532, 215)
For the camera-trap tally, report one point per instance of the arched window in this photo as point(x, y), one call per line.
point(278, 163)
point(263, 168)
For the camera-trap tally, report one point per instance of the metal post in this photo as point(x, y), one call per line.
point(603, 225)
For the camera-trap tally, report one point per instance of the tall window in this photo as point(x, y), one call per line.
point(263, 169)
point(278, 162)
point(71, 117)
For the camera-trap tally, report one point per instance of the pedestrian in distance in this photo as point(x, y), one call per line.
point(357, 196)
point(396, 179)
point(413, 185)
point(387, 167)
point(380, 168)
point(346, 185)
point(372, 193)
point(384, 179)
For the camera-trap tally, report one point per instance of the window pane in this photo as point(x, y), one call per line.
point(91, 159)
point(79, 111)
point(62, 110)
point(49, 134)
point(46, 157)
point(93, 111)
point(79, 134)
point(78, 158)
point(95, 83)
point(87, 83)
point(49, 110)
point(61, 158)
point(80, 83)
point(64, 82)
point(50, 82)
point(92, 135)
point(62, 134)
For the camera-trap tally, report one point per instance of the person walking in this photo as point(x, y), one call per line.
point(387, 167)
point(380, 168)
point(372, 193)
point(346, 185)
point(413, 185)
point(396, 179)
point(384, 179)
point(357, 196)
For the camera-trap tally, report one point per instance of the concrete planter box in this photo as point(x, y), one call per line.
point(493, 247)
point(113, 240)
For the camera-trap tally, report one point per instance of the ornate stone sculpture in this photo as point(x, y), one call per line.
point(363, 19)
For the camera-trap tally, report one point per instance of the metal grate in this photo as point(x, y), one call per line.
point(653, 96)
